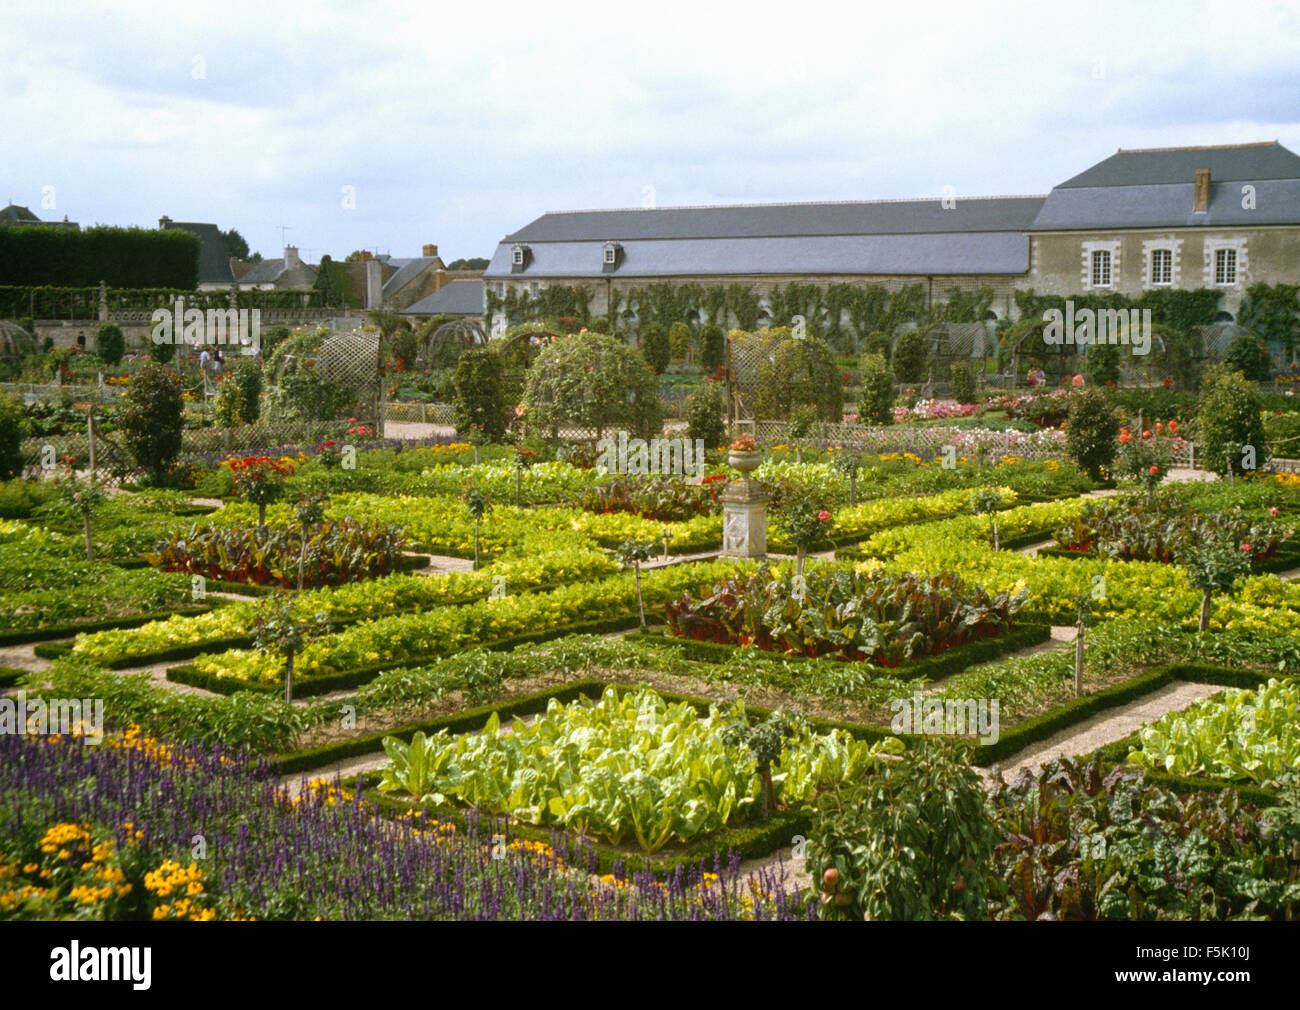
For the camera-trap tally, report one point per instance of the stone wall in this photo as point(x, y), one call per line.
point(1058, 260)
point(137, 327)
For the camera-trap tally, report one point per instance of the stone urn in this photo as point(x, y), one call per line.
point(745, 461)
point(744, 508)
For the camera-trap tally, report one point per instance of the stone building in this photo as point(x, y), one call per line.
point(287, 273)
point(20, 216)
point(1190, 217)
point(397, 283)
point(1187, 217)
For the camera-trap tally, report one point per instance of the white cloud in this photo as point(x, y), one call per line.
point(457, 125)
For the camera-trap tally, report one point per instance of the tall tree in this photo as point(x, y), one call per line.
point(235, 244)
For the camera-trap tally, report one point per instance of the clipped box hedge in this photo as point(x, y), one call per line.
point(1022, 636)
point(346, 680)
point(72, 630)
point(1040, 727)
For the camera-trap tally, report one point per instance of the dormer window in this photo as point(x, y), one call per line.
point(611, 255)
point(519, 257)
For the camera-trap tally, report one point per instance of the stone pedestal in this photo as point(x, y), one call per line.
point(744, 511)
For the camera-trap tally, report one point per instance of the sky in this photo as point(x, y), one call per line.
point(385, 126)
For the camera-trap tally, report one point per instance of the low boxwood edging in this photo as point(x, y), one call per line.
point(306, 687)
point(1025, 539)
point(189, 651)
point(72, 630)
point(405, 563)
point(10, 675)
point(1040, 727)
point(933, 667)
point(1286, 558)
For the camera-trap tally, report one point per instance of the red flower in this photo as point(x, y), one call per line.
point(1146, 434)
point(1273, 511)
point(1169, 382)
point(1155, 470)
point(1245, 547)
point(1173, 427)
point(823, 515)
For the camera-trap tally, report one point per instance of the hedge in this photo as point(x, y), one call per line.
point(931, 667)
point(72, 630)
point(346, 680)
point(1286, 558)
point(120, 257)
point(1040, 727)
point(10, 675)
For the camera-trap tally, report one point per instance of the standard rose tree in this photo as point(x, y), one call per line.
point(260, 480)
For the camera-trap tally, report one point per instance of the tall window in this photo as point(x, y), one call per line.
point(1225, 266)
point(517, 256)
point(1101, 268)
point(1162, 266)
point(610, 254)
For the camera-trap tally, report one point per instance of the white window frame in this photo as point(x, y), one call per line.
point(1225, 267)
point(517, 256)
point(1167, 255)
point(1111, 247)
point(1241, 261)
point(611, 255)
point(1101, 265)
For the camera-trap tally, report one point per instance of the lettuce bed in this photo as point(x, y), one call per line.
point(631, 766)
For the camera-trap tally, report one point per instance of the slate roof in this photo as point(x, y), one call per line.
point(1156, 166)
point(785, 220)
point(1157, 189)
point(264, 272)
point(407, 270)
point(984, 235)
point(214, 267)
point(13, 214)
point(456, 298)
point(1004, 252)
point(271, 271)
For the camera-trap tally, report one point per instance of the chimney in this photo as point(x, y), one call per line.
point(291, 259)
point(365, 255)
point(1202, 190)
point(429, 251)
point(439, 279)
point(374, 283)
point(164, 221)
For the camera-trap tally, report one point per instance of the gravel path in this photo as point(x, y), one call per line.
point(22, 657)
point(1106, 727)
